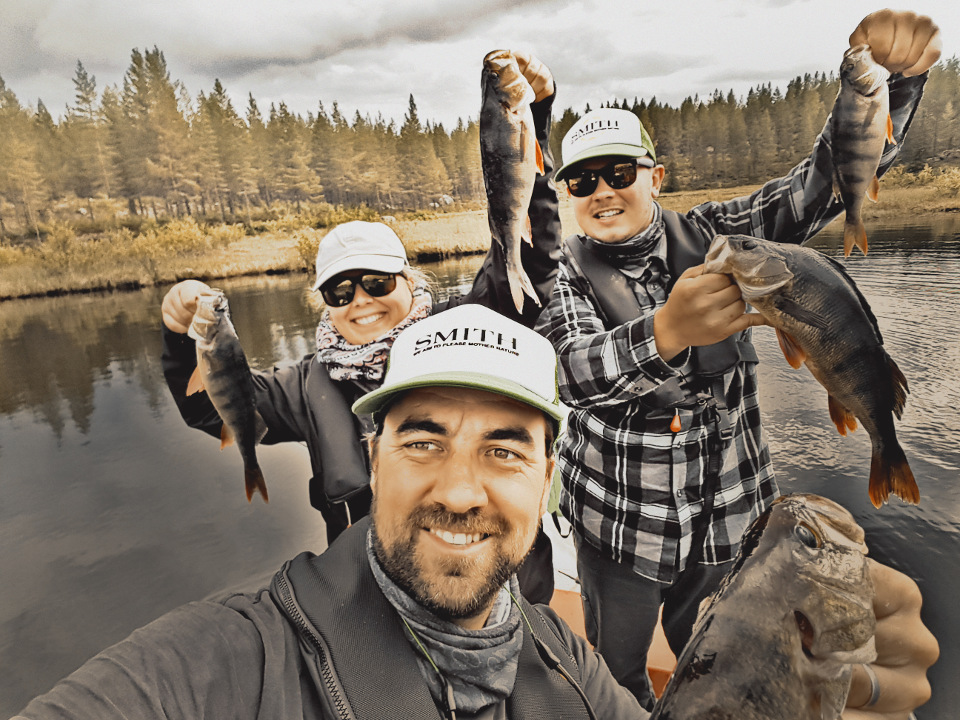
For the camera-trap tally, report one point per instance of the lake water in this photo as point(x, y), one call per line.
point(112, 511)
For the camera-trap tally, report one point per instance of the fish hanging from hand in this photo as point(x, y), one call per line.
point(222, 371)
point(824, 322)
point(860, 127)
point(511, 159)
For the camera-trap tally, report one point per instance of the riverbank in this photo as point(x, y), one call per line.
point(182, 249)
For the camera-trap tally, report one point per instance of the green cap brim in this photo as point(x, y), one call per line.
point(373, 401)
point(631, 151)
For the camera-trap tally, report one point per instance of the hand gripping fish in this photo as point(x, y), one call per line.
point(824, 322)
point(860, 126)
point(222, 372)
point(511, 159)
point(777, 639)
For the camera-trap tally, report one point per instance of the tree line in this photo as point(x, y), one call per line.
point(162, 153)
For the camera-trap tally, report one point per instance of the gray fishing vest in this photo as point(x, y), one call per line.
point(616, 303)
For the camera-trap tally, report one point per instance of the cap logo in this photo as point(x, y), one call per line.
point(466, 337)
point(592, 127)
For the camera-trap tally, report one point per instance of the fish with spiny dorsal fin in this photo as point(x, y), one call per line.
point(223, 373)
point(511, 158)
point(824, 322)
point(860, 127)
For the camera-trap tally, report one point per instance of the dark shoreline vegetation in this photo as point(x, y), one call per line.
point(141, 185)
point(66, 263)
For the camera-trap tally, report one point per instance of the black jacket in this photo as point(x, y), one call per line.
point(320, 643)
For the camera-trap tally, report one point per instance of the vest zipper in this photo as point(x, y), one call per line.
point(326, 672)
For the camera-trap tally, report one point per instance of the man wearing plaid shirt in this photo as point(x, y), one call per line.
point(663, 462)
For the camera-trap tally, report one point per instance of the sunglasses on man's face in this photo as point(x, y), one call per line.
point(339, 291)
point(618, 175)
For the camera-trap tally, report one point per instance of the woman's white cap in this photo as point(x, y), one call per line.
point(359, 245)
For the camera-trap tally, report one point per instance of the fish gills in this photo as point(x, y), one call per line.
point(223, 373)
point(860, 127)
point(511, 159)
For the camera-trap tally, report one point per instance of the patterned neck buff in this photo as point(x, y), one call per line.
point(480, 665)
point(632, 252)
point(368, 362)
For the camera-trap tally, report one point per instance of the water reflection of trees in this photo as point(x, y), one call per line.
point(55, 351)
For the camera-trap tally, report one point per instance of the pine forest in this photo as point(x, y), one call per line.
point(155, 152)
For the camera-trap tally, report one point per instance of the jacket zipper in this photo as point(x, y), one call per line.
point(326, 672)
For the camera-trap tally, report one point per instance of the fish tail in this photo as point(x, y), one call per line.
point(253, 479)
point(519, 284)
point(854, 233)
point(890, 473)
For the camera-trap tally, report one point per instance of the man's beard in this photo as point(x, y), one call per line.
point(445, 594)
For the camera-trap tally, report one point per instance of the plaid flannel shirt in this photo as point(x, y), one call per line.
point(630, 486)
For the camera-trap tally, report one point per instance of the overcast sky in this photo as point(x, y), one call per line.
point(371, 55)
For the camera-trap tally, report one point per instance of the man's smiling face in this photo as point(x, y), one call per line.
point(613, 216)
point(460, 480)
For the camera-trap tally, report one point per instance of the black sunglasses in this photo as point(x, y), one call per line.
point(339, 290)
point(618, 175)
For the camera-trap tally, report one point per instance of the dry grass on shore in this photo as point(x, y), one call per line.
point(183, 249)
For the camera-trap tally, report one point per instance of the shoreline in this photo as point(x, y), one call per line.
point(73, 268)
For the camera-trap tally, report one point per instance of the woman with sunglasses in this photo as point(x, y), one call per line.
point(371, 293)
point(663, 464)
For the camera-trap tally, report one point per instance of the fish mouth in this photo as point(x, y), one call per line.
point(807, 633)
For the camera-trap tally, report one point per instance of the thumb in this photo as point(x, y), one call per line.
point(754, 319)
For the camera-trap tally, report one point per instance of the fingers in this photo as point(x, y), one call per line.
point(536, 73)
point(901, 41)
point(905, 650)
point(180, 303)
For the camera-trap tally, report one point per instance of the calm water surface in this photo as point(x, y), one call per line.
point(112, 511)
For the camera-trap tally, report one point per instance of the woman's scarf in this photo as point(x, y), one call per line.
point(480, 665)
point(366, 362)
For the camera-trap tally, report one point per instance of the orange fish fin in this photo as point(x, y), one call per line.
point(890, 473)
point(792, 351)
point(540, 168)
point(842, 418)
point(195, 384)
point(873, 189)
point(854, 233)
point(253, 480)
point(226, 437)
point(890, 138)
point(526, 231)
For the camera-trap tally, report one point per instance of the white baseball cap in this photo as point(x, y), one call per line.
point(359, 245)
point(471, 346)
point(608, 131)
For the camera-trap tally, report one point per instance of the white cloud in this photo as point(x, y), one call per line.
point(371, 56)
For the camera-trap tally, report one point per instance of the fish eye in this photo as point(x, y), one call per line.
point(749, 244)
point(808, 536)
